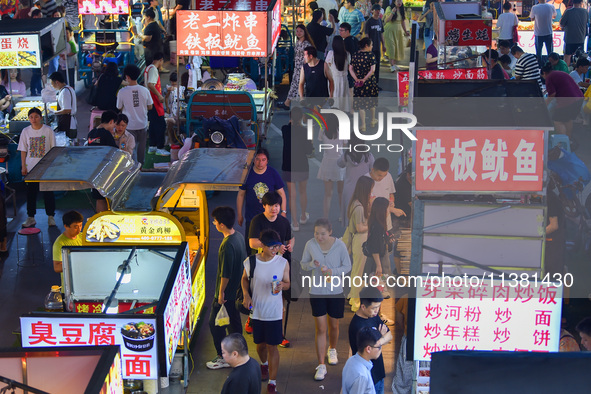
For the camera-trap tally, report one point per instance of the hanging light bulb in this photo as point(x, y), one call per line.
point(125, 271)
point(113, 308)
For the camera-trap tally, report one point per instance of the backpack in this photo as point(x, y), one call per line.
point(239, 294)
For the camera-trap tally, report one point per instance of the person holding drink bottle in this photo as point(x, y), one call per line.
point(267, 305)
point(326, 256)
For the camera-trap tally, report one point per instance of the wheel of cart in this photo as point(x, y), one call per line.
point(206, 104)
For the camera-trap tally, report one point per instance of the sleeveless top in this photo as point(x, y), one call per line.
point(316, 82)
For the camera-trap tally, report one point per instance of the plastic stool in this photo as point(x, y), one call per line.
point(96, 113)
point(560, 140)
point(27, 232)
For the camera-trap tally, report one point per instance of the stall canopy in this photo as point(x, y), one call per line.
point(103, 168)
point(32, 43)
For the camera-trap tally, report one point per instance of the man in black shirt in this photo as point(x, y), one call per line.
point(315, 76)
point(152, 36)
point(351, 46)
point(318, 33)
point(103, 134)
point(367, 316)
point(374, 29)
point(229, 275)
point(246, 374)
point(491, 59)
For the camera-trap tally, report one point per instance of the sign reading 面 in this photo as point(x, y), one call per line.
point(479, 160)
point(223, 33)
point(135, 335)
point(177, 309)
point(510, 316)
point(133, 229)
point(464, 32)
point(457, 73)
point(18, 51)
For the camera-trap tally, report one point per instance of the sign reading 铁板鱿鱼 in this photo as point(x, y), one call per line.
point(479, 160)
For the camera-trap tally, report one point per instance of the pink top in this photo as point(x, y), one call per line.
point(17, 88)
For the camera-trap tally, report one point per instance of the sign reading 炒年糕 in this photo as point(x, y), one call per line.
point(510, 315)
point(479, 160)
point(18, 51)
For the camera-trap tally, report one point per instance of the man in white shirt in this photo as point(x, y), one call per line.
point(384, 185)
point(542, 15)
point(66, 104)
point(357, 371)
point(134, 101)
point(578, 74)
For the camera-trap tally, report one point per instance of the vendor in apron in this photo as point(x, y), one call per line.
point(560, 8)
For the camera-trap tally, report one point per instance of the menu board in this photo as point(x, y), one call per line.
point(177, 309)
point(133, 229)
point(509, 315)
point(17, 51)
point(135, 335)
point(103, 7)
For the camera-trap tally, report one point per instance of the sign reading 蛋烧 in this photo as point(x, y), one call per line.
point(17, 51)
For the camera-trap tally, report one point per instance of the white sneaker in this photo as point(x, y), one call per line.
point(332, 356)
point(152, 150)
point(51, 221)
point(393, 68)
point(30, 222)
point(217, 363)
point(295, 227)
point(162, 152)
point(320, 372)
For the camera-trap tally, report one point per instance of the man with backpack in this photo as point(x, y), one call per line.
point(230, 258)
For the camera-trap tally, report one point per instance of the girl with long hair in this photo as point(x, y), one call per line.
point(338, 59)
point(303, 41)
point(11, 80)
point(377, 237)
point(365, 92)
point(394, 33)
point(358, 212)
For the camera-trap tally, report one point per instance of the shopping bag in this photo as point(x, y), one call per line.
point(222, 318)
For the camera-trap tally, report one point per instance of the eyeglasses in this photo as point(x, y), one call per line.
point(376, 347)
point(274, 247)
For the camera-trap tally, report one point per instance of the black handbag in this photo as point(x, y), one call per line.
point(93, 94)
point(65, 120)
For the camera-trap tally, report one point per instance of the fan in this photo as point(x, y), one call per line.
point(212, 84)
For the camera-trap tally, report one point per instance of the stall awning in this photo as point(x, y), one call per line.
point(103, 168)
point(209, 169)
point(31, 25)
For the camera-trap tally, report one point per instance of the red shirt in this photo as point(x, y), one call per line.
point(562, 84)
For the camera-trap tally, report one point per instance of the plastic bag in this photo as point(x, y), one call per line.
point(222, 318)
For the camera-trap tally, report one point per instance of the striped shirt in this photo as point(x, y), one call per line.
point(527, 68)
point(354, 18)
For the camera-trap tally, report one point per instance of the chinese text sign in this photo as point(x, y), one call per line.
point(464, 32)
point(139, 354)
point(19, 51)
point(479, 160)
point(488, 316)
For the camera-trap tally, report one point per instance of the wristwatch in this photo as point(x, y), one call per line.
point(283, 211)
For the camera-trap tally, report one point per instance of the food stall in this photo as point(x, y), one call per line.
point(27, 45)
point(142, 294)
point(463, 33)
point(235, 33)
point(90, 369)
point(99, 46)
point(148, 208)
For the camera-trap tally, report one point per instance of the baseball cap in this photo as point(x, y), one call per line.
point(270, 238)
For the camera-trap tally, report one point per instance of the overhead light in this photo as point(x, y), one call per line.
point(113, 307)
point(125, 271)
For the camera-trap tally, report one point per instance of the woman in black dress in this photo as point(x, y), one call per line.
point(365, 92)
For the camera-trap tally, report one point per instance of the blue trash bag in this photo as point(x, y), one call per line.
point(570, 168)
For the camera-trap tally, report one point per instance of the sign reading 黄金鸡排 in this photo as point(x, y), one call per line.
point(225, 33)
point(479, 160)
point(487, 316)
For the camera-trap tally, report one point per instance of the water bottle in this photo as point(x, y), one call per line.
point(54, 301)
point(275, 286)
point(249, 138)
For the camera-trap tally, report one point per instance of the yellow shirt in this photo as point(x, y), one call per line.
point(61, 241)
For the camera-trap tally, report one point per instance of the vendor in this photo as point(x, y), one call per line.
point(559, 7)
point(72, 236)
point(16, 85)
point(490, 59)
point(432, 55)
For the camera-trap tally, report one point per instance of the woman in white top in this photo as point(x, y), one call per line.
point(329, 170)
point(338, 60)
point(326, 257)
point(506, 22)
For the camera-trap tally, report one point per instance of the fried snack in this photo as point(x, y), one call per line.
point(26, 58)
point(101, 229)
point(8, 59)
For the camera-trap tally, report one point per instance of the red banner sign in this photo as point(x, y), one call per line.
point(464, 32)
point(458, 73)
point(235, 5)
point(479, 160)
point(225, 33)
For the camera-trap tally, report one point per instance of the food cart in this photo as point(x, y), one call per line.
point(148, 208)
point(27, 45)
point(462, 33)
point(90, 369)
point(99, 46)
point(142, 294)
point(238, 33)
